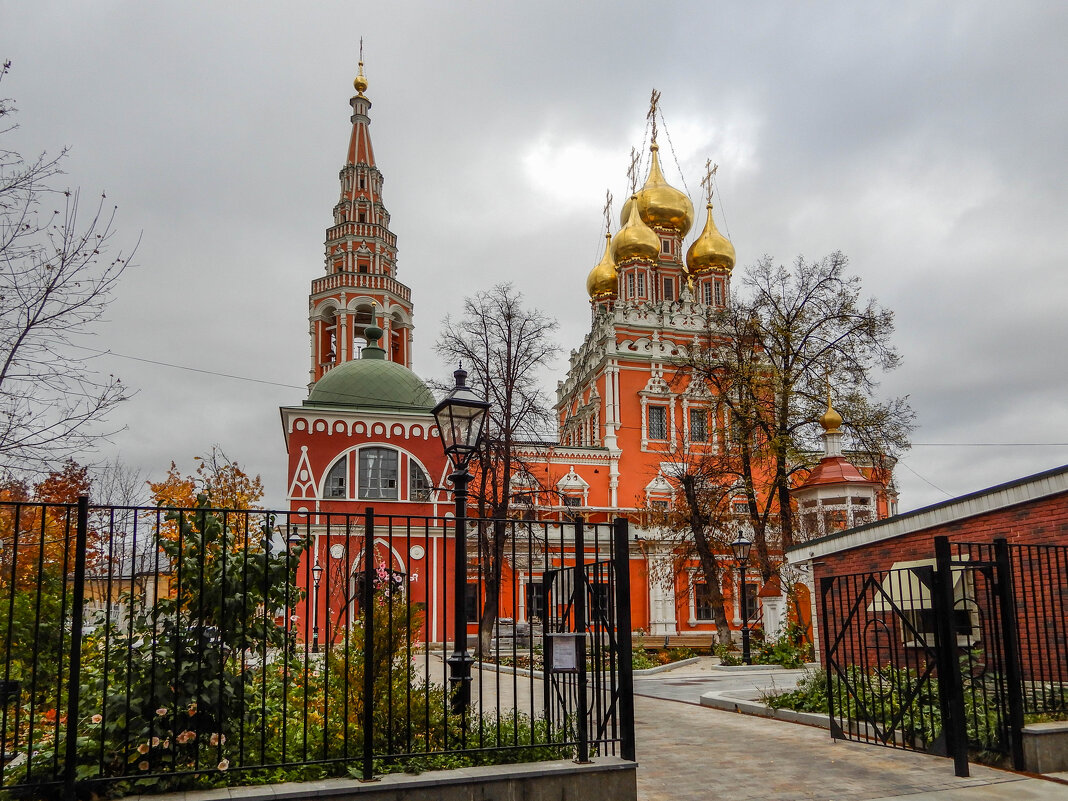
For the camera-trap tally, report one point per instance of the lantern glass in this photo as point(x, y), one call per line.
point(461, 416)
point(741, 548)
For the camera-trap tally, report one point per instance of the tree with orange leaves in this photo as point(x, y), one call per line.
point(221, 479)
point(222, 483)
point(37, 525)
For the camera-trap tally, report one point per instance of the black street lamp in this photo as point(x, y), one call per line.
point(461, 416)
point(741, 548)
point(317, 576)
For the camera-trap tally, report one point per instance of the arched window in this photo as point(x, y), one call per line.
point(418, 483)
point(378, 474)
point(336, 479)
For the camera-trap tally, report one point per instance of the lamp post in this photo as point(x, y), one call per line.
point(460, 415)
point(293, 540)
point(741, 547)
point(317, 576)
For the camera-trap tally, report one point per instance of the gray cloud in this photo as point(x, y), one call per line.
point(926, 141)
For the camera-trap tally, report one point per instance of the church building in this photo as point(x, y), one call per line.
point(365, 436)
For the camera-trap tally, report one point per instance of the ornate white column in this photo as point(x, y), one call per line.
point(662, 596)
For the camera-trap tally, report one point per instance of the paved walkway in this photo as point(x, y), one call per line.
point(691, 753)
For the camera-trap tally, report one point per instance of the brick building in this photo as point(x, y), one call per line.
point(1029, 511)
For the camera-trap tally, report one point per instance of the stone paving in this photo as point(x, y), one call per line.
point(688, 753)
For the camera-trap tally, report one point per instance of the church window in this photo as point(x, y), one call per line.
point(363, 182)
point(630, 285)
point(535, 592)
point(362, 217)
point(418, 483)
point(335, 479)
point(698, 425)
point(706, 288)
point(378, 473)
point(657, 422)
point(719, 293)
point(363, 267)
point(702, 598)
point(669, 289)
point(751, 611)
point(665, 246)
point(572, 500)
point(641, 284)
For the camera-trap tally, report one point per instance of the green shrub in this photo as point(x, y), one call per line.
point(810, 694)
point(727, 656)
point(639, 657)
point(790, 650)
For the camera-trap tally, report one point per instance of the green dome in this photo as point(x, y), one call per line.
point(372, 383)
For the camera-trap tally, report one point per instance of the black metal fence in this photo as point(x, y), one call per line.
point(949, 654)
point(165, 648)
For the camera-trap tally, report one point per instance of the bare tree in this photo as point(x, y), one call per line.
point(770, 358)
point(56, 279)
point(503, 346)
point(699, 523)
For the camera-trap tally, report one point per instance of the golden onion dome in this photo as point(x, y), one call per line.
point(831, 420)
point(603, 281)
point(360, 82)
point(711, 251)
point(635, 240)
point(660, 204)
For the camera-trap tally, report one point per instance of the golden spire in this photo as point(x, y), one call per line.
point(711, 251)
point(360, 83)
point(660, 204)
point(831, 420)
point(603, 280)
point(635, 240)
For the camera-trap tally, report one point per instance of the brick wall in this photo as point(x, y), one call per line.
point(1040, 522)
point(1040, 577)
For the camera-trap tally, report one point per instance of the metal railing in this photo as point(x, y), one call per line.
point(951, 653)
point(155, 648)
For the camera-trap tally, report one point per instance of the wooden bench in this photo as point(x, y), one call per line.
point(698, 641)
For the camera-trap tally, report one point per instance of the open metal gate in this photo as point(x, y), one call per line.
point(925, 655)
point(588, 684)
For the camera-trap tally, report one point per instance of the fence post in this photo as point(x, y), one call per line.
point(829, 665)
point(74, 682)
point(1010, 635)
point(547, 578)
point(950, 688)
point(624, 645)
point(580, 590)
point(367, 607)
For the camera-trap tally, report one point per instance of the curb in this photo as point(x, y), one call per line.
point(745, 668)
point(665, 668)
point(721, 699)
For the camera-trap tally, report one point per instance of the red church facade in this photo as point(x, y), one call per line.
point(365, 436)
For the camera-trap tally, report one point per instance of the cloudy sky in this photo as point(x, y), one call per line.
point(925, 140)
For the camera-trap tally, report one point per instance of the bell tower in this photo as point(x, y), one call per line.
point(360, 288)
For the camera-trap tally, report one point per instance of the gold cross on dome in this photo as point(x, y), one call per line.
point(654, 100)
point(361, 49)
point(607, 211)
point(632, 170)
point(706, 182)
